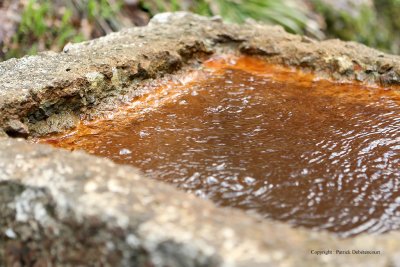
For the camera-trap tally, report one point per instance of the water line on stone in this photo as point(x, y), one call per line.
point(267, 139)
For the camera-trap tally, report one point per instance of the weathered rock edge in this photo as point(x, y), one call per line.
point(71, 209)
point(44, 94)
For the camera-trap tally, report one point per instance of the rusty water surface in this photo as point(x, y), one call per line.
point(267, 139)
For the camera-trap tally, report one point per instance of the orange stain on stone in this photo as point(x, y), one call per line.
point(264, 138)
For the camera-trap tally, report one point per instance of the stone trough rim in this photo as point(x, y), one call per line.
point(252, 252)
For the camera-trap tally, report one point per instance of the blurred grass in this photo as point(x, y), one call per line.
point(269, 11)
point(377, 26)
point(50, 25)
point(42, 27)
point(46, 24)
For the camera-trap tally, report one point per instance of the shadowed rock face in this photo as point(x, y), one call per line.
point(71, 209)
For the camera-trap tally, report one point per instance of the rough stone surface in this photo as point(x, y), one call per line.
point(85, 75)
point(59, 208)
point(71, 209)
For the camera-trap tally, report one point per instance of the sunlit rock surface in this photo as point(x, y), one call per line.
point(71, 209)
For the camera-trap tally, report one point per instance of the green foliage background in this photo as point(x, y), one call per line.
point(46, 24)
point(377, 27)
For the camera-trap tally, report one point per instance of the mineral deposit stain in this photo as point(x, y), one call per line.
point(266, 139)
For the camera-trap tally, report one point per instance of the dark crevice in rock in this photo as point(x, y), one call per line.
point(15, 129)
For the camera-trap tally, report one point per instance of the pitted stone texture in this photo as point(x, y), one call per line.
point(71, 209)
point(85, 75)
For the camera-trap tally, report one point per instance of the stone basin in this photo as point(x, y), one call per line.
point(61, 208)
